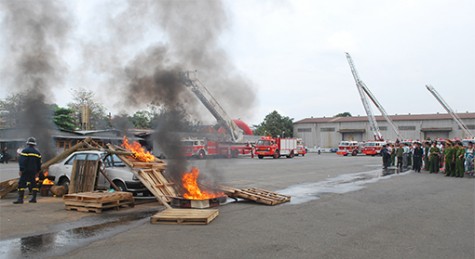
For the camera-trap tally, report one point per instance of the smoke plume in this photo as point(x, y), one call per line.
point(192, 30)
point(36, 32)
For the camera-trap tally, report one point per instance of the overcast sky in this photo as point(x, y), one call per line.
point(293, 52)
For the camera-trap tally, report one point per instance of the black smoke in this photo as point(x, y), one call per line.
point(36, 32)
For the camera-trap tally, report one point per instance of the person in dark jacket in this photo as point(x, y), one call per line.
point(30, 166)
point(417, 157)
point(386, 156)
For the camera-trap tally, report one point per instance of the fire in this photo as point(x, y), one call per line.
point(139, 152)
point(47, 181)
point(193, 191)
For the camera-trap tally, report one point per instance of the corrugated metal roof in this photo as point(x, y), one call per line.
point(407, 117)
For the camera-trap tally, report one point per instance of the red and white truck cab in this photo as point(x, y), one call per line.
point(276, 147)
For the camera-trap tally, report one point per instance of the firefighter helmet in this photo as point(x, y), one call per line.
point(31, 141)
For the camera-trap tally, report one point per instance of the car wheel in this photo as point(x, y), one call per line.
point(64, 182)
point(276, 154)
point(354, 153)
point(260, 157)
point(202, 155)
point(121, 186)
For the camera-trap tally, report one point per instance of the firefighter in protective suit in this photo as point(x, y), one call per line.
point(30, 166)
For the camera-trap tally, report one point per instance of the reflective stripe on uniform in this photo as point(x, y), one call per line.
point(30, 154)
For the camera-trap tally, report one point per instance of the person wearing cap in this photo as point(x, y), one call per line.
point(30, 166)
point(459, 159)
point(417, 157)
point(434, 155)
point(426, 155)
point(449, 158)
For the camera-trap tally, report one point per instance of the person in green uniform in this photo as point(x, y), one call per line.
point(426, 155)
point(434, 158)
point(448, 158)
point(399, 154)
point(459, 159)
point(393, 155)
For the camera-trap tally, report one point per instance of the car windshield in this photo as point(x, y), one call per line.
point(263, 142)
point(187, 143)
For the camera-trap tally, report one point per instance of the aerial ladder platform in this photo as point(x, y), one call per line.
point(446, 106)
point(203, 94)
point(363, 89)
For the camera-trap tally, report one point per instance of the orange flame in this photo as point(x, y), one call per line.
point(139, 152)
point(190, 183)
point(47, 181)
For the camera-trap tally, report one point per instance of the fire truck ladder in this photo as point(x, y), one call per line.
point(364, 100)
point(456, 118)
point(213, 106)
point(381, 109)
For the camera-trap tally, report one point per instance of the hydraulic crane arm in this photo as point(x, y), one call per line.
point(456, 118)
point(213, 106)
point(364, 100)
point(381, 109)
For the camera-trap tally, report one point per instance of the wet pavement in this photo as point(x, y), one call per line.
point(61, 242)
point(302, 193)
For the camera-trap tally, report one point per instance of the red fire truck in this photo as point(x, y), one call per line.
point(202, 148)
point(276, 147)
point(372, 148)
point(349, 147)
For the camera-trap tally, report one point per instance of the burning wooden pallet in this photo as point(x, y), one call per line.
point(184, 216)
point(154, 180)
point(257, 195)
point(98, 201)
point(150, 174)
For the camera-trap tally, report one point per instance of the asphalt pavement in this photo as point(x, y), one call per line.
point(342, 207)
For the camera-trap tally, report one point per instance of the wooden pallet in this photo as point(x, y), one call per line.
point(257, 195)
point(84, 176)
point(8, 186)
point(98, 201)
point(184, 217)
point(157, 184)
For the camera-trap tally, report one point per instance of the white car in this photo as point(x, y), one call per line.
point(120, 174)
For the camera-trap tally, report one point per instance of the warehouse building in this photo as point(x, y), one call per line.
point(327, 132)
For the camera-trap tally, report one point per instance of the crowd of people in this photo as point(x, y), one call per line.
point(450, 157)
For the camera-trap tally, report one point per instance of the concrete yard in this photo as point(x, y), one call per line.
point(342, 207)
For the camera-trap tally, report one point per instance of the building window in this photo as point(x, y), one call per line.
point(327, 129)
point(383, 128)
point(304, 130)
point(407, 127)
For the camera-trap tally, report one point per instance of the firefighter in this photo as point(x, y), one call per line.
point(426, 155)
point(30, 166)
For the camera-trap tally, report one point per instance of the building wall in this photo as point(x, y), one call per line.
point(329, 134)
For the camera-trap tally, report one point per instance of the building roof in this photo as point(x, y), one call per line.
point(406, 117)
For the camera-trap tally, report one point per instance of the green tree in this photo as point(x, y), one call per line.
point(141, 119)
point(64, 118)
point(10, 108)
point(275, 125)
point(343, 114)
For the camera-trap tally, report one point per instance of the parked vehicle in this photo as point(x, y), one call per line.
point(276, 147)
point(202, 148)
point(349, 147)
point(120, 174)
point(372, 148)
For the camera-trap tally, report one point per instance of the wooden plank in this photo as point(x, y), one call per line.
point(184, 216)
point(84, 176)
point(157, 184)
point(99, 196)
point(8, 186)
